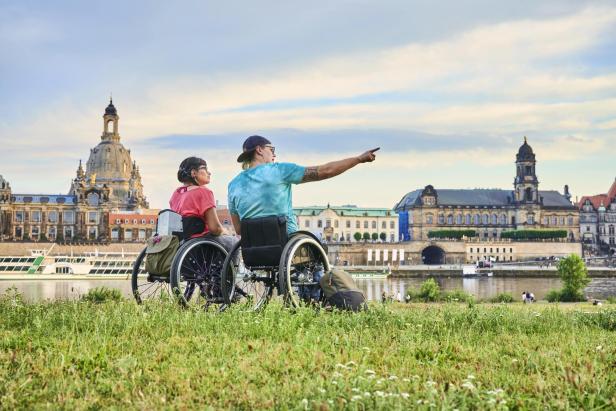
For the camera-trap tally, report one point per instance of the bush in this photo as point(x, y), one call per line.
point(429, 290)
point(460, 296)
point(102, 294)
point(457, 234)
point(534, 234)
point(502, 298)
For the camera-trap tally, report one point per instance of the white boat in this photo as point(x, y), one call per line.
point(89, 263)
point(469, 271)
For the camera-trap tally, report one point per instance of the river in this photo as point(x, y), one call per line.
point(481, 288)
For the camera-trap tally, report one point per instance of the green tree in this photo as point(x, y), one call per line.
point(366, 236)
point(357, 236)
point(574, 275)
point(383, 236)
point(375, 236)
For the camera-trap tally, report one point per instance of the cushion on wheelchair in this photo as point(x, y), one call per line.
point(192, 225)
point(263, 239)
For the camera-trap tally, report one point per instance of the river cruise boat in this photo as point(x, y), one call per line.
point(89, 263)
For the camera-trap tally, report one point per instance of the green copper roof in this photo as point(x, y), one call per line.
point(345, 211)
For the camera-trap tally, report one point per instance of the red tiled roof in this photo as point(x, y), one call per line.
point(599, 199)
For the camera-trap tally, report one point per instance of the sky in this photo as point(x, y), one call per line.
point(447, 89)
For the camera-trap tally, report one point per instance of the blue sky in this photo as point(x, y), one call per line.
point(446, 89)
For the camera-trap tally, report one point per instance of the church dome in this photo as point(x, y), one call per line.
point(109, 160)
point(525, 153)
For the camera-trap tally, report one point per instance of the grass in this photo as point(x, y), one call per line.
point(80, 355)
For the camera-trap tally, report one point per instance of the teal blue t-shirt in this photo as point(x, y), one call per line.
point(265, 190)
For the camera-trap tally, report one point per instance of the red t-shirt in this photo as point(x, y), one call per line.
point(193, 203)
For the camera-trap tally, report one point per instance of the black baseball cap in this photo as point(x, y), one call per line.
point(251, 145)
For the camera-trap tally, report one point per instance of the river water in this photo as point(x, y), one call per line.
point(481, 288)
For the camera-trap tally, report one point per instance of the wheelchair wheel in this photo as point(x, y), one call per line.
point(244, 286)
point(301, 256)
point(145, 286)
point(195, 273)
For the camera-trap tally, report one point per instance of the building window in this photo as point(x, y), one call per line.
point(118, 221)
point(392, 238)
point(611, 230)
point(429, 219)
point(141, 235)
point(554, 221)
point(530, 219)
point(52, 216)
point(335, 223)
point(115, 234)
point(92, 233)
point(68, 233)
point(503, 219)
point(134, 221)
point(357, 224)
point(126, 221)
point(546, 221)
point(485, 219)
point(143, 221)
point(320, 223)
point(449, 219)
point(467, 219)
point(477, 220)
point(92, 217)
point(51, 233)
point(348, 223)
point(459, 219)
point(392, 224)
point(441, 219)
point(36, 231)
point(19, 216)
point(69, 218)
point(569, 220)
point(307, 223)
point(562, 220)
point(494, 219)
point(35, 216)
point(151, 221)
point(18, 232)
point(374, 225)
point(128, 235)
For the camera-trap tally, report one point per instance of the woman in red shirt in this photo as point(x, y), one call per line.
point(194, 199)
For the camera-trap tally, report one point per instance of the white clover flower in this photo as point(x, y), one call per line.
point(430, 383)
point(392, 377)
point(379, 393)
point(404, 395)
point(371, 372)
point(470, 377)
point(354, 389)
point(322, 391)
point(351, 364)
point(335, 382)
point(356, 398)
point(406, 380)
point(599, 348)
point(468, 385)
point(336, 374)
point(367, 394)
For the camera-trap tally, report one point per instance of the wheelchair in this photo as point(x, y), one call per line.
point(195, 275)
point(268, 262)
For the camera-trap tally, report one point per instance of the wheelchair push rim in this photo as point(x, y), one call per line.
point(195, 273)
point(300, 247)
point(146, 287)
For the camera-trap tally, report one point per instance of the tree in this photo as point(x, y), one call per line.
point(357, 236)
point(383, 236)
point(574, 275)
point(375, 236)
point(366, 236)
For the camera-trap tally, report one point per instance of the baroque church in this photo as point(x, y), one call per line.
point(489, 212)
point(110, 183)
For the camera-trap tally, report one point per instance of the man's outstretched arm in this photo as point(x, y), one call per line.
point(329, 170)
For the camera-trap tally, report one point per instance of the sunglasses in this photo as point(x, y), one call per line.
point(271, 148)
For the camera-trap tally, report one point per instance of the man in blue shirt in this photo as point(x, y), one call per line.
point(264, 187)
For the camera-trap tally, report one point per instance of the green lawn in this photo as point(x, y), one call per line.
point(120, 355)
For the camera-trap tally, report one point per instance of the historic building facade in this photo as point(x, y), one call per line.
point(598, 221)
point(110, 183)
point(490, 211)
point(333, 223)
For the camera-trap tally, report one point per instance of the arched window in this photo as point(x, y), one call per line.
point(611, 230)
point(485, 219)
point(373, 224)
point(503, 219)
point(477, 219)
point(459, 219)
point(365, 224)
point(450, 219)
point(441, 219)
point(494, 219)
point(468, 219)
point(528, 194)
point(429, 219)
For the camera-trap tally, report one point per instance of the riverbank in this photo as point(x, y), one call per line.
point(81, 355)
point(411, 271)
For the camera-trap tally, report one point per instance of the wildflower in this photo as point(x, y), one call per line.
point(406, 380)
point(356, 398)
point(355, 389)
point(599, 348)
point(370, 372)
point(335, 382)
point(392, 377)
point(351, 364)
point(336, 374)
point(404, 395)
point(322, 391)
point(468, 385)
point(367, 394)
point(341, 366)
point(379, 393)
point(470, 377)
point(430, 383)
